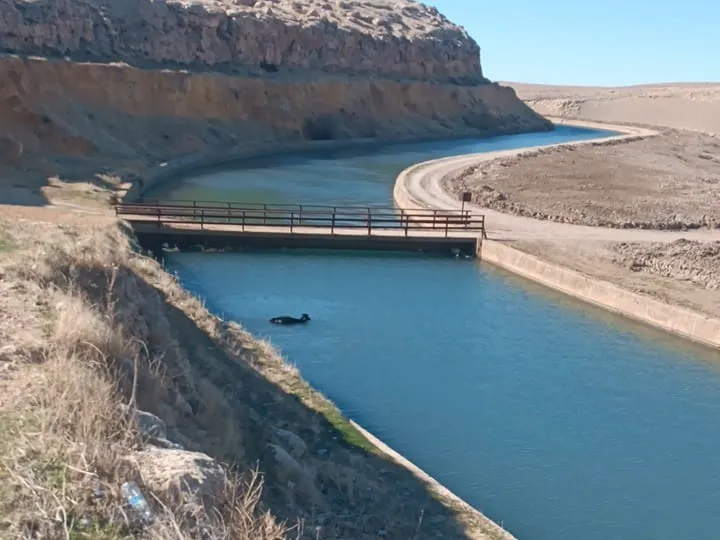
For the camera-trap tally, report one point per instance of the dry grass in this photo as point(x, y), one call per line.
point(87, 325)
point(63, 440)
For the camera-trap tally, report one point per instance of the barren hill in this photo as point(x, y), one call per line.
point(693, 106)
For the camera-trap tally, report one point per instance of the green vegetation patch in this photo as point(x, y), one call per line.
point(96, 531)
point(333, 415)
point(346, 429)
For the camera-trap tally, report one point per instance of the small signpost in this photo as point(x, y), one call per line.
point(466, 196)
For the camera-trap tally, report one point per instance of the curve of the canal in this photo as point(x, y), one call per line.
point(556, 419)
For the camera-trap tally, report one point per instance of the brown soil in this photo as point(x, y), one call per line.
point(671, 181)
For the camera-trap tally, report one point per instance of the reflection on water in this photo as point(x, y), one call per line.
point(341, 177)
point(562, 422)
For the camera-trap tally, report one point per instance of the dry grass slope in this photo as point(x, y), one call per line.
point(64, 441)
point(88, 326)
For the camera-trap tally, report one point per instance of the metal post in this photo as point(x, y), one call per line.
point(228, 213)
point(292, 218)
point(264, 214)
point(434, 218)
point(369, 222)
point(466, 196)
point(332, 222)
point(243, 220)
point(300, 217)
point(202, 218)
point(447, 223)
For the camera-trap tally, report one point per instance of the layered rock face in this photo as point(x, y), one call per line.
point(131, 83)
point(397, 38)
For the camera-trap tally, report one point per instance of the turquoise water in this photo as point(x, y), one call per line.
point(559, 421)
point(341, 177)
point(556, 419)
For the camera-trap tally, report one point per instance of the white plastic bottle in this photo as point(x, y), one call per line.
point(132, 494)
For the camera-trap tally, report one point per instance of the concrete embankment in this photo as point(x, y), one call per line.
point(478, 526)
point(683, 322)
point(421, 186)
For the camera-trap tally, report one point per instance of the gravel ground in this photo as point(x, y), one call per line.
point(685, 260)
point(671, 181)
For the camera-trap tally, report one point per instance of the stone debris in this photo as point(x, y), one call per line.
point(696, 262)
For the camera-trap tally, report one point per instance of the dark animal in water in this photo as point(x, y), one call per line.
point(290, 320)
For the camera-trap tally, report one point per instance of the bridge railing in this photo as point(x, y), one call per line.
point(295, 217)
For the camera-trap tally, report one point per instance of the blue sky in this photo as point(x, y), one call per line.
point(603, 42)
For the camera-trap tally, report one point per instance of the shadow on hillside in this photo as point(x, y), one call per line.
point(215, 398)
point(22, 188)
point(29, 187)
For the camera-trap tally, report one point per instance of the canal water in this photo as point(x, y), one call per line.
point(341, 177)
point(555, 419)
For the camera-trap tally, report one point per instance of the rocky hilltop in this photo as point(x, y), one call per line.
point(134, 83)
point(400, 38)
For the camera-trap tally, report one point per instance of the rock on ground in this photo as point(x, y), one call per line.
point(182, 474)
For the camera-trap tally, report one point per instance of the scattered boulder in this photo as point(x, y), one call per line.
point(183, 475)
point(152, 428)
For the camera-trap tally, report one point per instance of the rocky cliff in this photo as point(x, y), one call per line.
point(400, 38)
point(130, 84)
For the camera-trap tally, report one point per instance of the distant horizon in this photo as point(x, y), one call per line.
point(666, 83)
point(609, 44)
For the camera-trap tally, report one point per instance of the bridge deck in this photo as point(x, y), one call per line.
point(140, 223)
point(302, 226)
